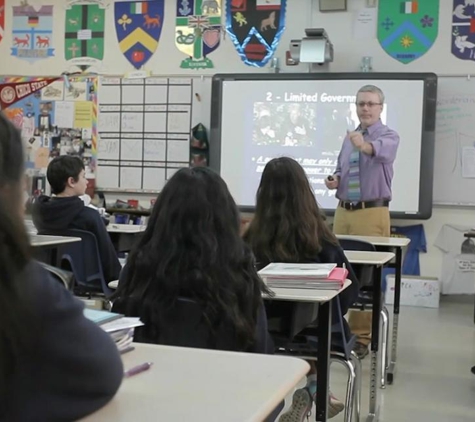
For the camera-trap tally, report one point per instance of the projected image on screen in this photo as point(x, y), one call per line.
point(284, 124)
point(308, 121)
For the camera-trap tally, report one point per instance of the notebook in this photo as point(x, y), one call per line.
point(334, 281)
point(100, 317)
point(279, 270)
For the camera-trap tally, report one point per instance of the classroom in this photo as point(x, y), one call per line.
point(164, 94)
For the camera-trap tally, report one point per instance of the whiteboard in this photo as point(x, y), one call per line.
point(454, 162)
point(144, 129)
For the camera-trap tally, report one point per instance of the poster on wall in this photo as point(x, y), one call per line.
point(255, 27)
point(32, 32)
point(138, 25)
point(198, 31)
point(53, 120)
point(84, 34)
point(2, 18)
point(463, 29)
point(407, 29)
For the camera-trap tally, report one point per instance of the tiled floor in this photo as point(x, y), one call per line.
point(433, 383)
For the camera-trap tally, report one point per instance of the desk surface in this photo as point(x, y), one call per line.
point(199, 385)
point(306, 295)
point(395, 242)
point(38, 240)
point(126, 228)
point(369, 258)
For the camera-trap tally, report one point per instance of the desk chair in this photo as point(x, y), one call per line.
point(365, 274)
point(83, 260)
point(66, 278)
point(292, 337)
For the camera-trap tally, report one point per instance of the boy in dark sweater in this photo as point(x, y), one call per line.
point(66, 210)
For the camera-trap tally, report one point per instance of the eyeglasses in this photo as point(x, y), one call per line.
point(370, 104)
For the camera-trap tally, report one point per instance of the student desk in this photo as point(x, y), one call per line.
point(395, 244)
point(126, 228)
point(53, 243)
point(186, 384)
point(379, 260)
point(124, 236)
point(323, 297)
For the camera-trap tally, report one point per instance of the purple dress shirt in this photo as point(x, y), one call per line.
point(376, 171)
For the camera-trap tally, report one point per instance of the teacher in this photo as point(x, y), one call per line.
point(363, 180)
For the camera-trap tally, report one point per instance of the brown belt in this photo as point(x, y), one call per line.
point(353, 206)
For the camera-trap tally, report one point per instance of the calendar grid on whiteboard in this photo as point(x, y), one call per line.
point(151, 124)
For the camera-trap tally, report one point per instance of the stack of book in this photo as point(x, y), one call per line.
point(304, 276)
point(120, 328)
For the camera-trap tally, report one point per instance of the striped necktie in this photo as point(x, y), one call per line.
point(354, 190)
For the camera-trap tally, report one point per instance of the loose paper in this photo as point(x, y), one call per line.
point(83, 114)
point(42, 158)
point(64, 114)
point(364, 26)
point(468, 162)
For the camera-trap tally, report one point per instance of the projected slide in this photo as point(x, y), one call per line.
point(308, 121)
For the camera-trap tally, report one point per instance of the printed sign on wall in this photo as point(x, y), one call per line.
point(407, 29)
point(32, 32)
point(84, 35)
point(255, 27)
point(138, 25)
point(198, 31)
point(463, 29)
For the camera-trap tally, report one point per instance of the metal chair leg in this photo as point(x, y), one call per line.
point(388, 362)
point(350, 388)
point(384, 347)
point(357, 397)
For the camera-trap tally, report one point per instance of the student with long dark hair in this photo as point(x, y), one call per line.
point(288, 226)
point(191, 278)
point(55, 365)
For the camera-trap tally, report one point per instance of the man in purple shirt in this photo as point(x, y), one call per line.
point(363, 179)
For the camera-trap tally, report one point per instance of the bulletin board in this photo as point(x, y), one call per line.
point(454, 161)
point(144, 127)
point(59, 119)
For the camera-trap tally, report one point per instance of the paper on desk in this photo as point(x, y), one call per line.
point(468, 162)
point(364, 25)
point(121, 324)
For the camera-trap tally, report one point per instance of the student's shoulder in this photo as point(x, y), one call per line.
point(90, 215)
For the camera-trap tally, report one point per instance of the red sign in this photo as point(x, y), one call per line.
point(10, 93)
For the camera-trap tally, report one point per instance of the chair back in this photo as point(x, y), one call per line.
point(183, 325)
point(66, 278)
point(83, 259)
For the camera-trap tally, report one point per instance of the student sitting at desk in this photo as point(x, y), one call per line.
point(191, 279)
point(192, 257)
point(289, 227)
point(55, 365)
point(66, 210)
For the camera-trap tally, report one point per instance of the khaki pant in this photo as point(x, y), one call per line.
point(365, 222)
